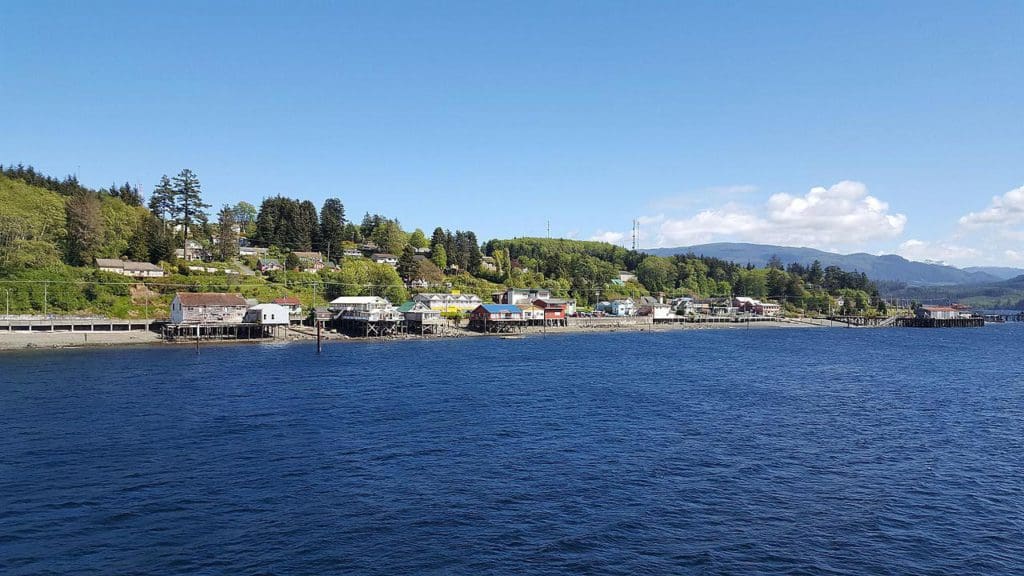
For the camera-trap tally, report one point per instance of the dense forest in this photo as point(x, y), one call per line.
point(52, 230)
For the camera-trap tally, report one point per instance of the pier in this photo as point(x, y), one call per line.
point(242, 331)
point(913, 322)
point(26, 323)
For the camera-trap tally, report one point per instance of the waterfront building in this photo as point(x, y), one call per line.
point(208, 308)
point(267, 315)
point(448, 302)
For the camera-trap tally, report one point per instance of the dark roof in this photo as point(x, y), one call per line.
point(211, 299)
point(545, 302)
point(383, 255)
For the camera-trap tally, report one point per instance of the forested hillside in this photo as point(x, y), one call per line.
point(52, 231)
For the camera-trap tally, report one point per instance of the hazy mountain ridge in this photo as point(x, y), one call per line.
point(889, 267)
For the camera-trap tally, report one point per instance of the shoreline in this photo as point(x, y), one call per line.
point(22, 341)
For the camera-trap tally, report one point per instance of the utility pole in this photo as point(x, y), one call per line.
point(549, 229)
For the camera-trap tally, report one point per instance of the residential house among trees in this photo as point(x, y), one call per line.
point(130, 268)
point(208, 308)
point(310, 261)
point(382, 258)
point(265, 265)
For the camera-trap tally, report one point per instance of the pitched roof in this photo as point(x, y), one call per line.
point(109, 263)
point(210, 299)
point(309, 255)
point(499, 308)
point(141, 266)
point(287, 301)
point(546, 302)
point(382, 255)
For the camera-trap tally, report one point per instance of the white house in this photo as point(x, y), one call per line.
point(130, 268)
point(267, 315)
point(448, 302)
point(938, 312)
point(516, 296)
point(381, 258)
point(371, 308)
point(624, 307)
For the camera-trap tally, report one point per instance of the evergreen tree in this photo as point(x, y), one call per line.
point(407, 266)
point(437, 238)
point(159, 240)
point(227, 236)
point(138, 243)
point(309, 226)
point(161, 201)
point(189, 205)
point(85, 228)
point(439, 256)
point(292, 262)
point(332, 227)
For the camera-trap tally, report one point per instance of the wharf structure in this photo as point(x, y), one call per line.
point(52, 323)
point(216, 316)
point(366, 316)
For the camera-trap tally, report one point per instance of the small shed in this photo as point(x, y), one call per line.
point(267, 315)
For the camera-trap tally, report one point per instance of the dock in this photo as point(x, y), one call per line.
point(26, 323)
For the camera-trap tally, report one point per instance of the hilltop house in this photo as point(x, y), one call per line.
point(253, 251)
point(130, 268)
point(310, 260)
point(265, 265)
point(208, 308)
point(383, 258)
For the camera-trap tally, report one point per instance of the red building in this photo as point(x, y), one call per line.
point(554, 310)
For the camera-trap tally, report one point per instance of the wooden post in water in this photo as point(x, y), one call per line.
point(319, 345)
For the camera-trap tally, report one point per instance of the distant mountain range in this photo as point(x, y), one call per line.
point(887, 268)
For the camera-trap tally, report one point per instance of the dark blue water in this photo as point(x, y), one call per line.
point(705, 452)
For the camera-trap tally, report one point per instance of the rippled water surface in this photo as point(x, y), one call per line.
point(703, 452)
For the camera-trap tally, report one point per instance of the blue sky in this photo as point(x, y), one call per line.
point(874, 126)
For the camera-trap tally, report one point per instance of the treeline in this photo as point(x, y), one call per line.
point(797, 286)
point(127, 193)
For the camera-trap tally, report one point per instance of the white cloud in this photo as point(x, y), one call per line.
point(938, 251)
point(1003, 210)
point(610, 237)
point(841, 215)
point(693, 198)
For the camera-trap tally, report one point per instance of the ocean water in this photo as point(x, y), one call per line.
point(701, 452)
